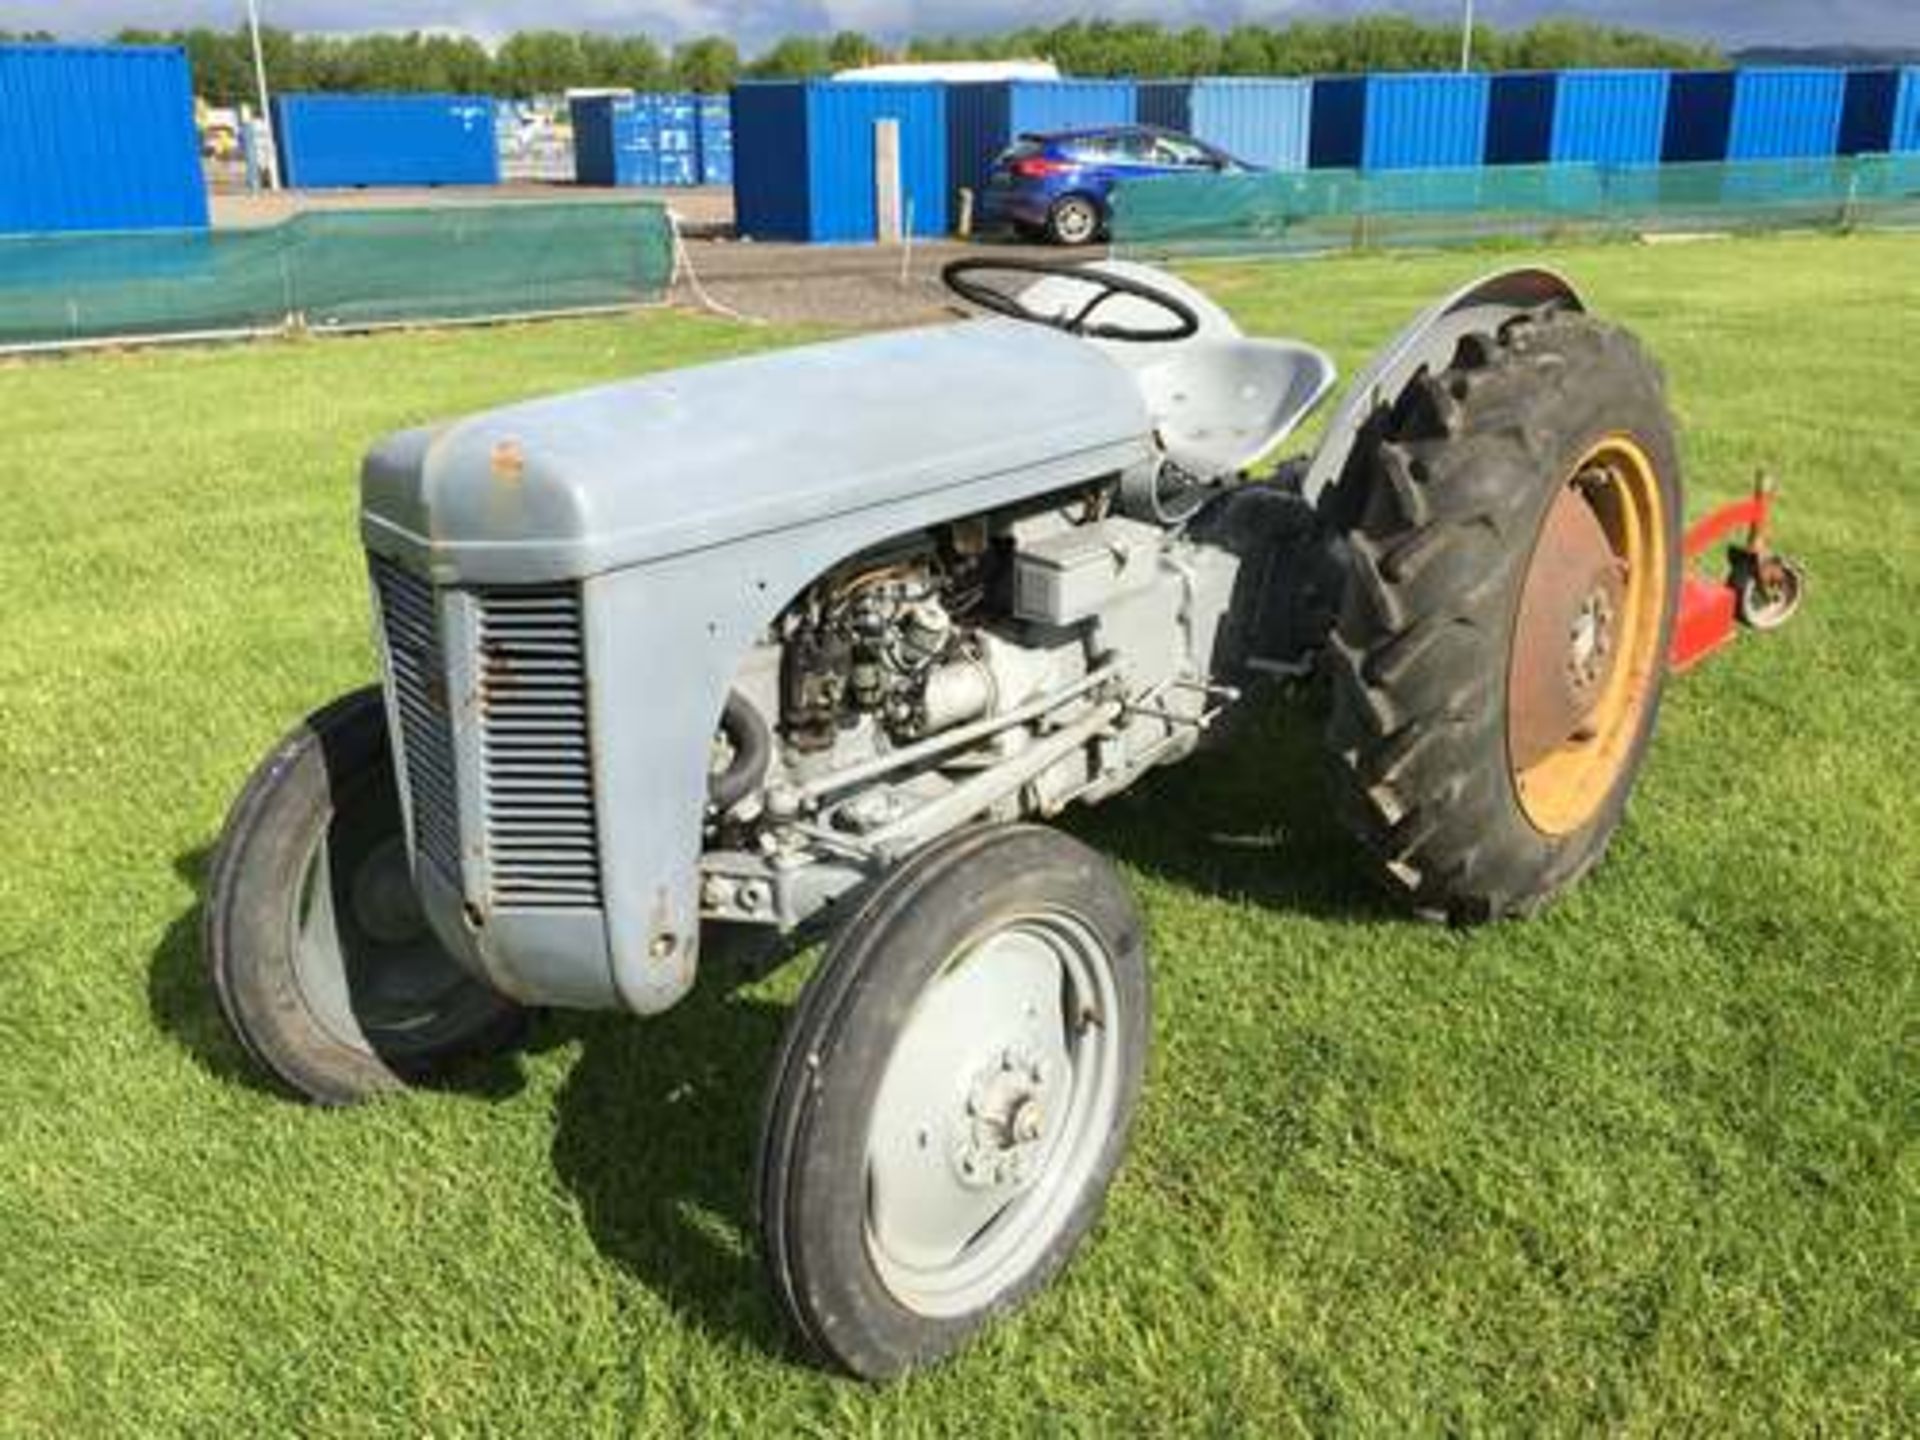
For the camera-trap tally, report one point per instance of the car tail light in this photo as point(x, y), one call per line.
point(1037, 167)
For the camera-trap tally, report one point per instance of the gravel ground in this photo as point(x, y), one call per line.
point(869, 287)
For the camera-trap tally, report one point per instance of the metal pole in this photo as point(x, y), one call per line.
point(1466, 39)
point(270, 161)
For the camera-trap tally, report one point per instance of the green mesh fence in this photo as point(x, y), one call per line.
point(1302, 212)
point(334, 270)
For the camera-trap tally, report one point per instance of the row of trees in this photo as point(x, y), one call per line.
point(545, 62)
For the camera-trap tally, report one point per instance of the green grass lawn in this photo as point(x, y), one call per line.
point(1646, 1164)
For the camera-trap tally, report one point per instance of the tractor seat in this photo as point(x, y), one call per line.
point(1219, 405)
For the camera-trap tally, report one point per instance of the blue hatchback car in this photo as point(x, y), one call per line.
point(1058, 185)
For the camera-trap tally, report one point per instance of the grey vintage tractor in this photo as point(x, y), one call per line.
point(806, 643)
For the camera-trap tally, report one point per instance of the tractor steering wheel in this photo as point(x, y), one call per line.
point(959, 278)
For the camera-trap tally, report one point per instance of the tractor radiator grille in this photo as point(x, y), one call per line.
point(542, 846)
point(416, 676)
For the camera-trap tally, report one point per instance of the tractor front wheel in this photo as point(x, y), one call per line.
point(953, 1096)
point(320, 957)
point(1501, 644)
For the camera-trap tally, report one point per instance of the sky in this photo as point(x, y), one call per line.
point(754, 24)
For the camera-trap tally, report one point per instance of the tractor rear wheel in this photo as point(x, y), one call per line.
point(1502, 638)
point(319, 955)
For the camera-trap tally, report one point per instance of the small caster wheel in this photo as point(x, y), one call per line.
point(1766, 598)
point(953, 1096)
point(319, 955)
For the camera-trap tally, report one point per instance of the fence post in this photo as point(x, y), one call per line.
point(886, 181)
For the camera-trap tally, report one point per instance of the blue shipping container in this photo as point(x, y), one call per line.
point(1399, 122)
point(1264, 122)
point(803, 158)
point(331, 141)
point(1786, 114)
point(1166, 103)
point(98, 138)
point(1337, 138)
point(643, 139)
point(716, 140)
point(1866, 117)
point(678, 119)
point(1906, 113)
point(984, 118)
point(1520, 109)
point(1699, 116)
point(1425, 122)
point(1609, 117)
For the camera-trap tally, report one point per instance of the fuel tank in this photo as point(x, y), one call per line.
point(643, 470)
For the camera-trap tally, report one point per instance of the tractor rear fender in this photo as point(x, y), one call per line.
point(1427, 345)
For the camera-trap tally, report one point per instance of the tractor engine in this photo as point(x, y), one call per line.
point(893, 641)
point(999, 665)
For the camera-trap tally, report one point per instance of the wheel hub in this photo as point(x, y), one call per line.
point(1565, 642)
point(995, 1105)
point(382, 895)
point(1587, 646)
point(1003, 1125)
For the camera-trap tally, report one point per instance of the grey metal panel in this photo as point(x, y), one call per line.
point(413, 661)
point(536, 767)
point(625, 474)
point(664, 642)
point(1428, 344)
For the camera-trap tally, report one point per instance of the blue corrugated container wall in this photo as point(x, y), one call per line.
point(1786, 114)
point(770, 199)
point(1166, 103)
point(1426, 122)
point(1906, 113)
point(1337, 137)
point(983, 118)
point(98, 137)
point(1866, 116)
point(595, 153)
point(803, 158)
point(1699, 116)
point(336, 141)
point(1264, 122)
point(677, 131)
point(1609, 117)
point(716, 139)
point(1520, 108)
point(614, 140)
point(641, 139)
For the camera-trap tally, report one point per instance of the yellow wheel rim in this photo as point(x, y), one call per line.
point(1586, 652)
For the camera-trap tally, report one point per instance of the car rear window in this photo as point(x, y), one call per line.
point(1095, 147)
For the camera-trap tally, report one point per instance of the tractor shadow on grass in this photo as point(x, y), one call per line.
point(181, 1000)
point(656, 1129)
point(657, 1125)
point(1250, 819)
point(180, 996)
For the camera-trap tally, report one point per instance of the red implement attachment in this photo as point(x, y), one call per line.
point(1761, 590)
